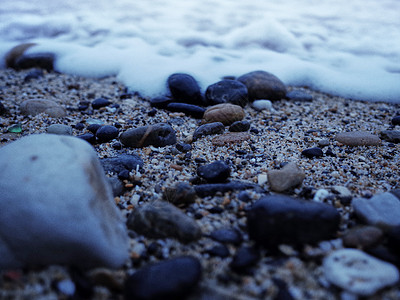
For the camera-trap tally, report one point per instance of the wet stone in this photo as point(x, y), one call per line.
point(100, 102)
point(225, 113)
point(160, 102)
point(231, 138)
point(312, 152)
point(358, 138)
point(16, 128)
point(123, 162)
point(188, 109)
point(208, 129)
point(161, 219)
point(158, 135)
point(227, 91)
point(396, 120)
point(106, 133)
point(297, 95)
point(180, 194)
point(59, 129)
point(227, 236)
point(285, 179)
point(362, 237)
point(244, 259)
point(184, 88)
point(392, 136)
point(263, 85)
point(214, 172)
point(36, 106)
point(239, 126)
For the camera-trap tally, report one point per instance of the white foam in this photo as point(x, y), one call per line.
point(340, 47)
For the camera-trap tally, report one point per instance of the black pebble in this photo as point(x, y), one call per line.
point(100, 102)
point(329, 152)
point(217, 171)
point(83, 105)
point(106, 133)
point(93, 128)
point(35, 60)
point(239, 126)
point(117, 146)
point(184, 88)
point(88, 137)
point(216, 210)
point(79, 126)
point(227, 236)
point(160, 102)
point(283, 292)
point(3, 110)
point(152, 112)
point(208, 129)
point(244, 259)
point(244, 196)
point(34, 74)
point(227, 91)
point(396, 120)
point(312, 152)
point(219, 250)
point(188, 109)
point(182, 147)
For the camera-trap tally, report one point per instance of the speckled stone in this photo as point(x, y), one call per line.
point(358, 138)
point(285, 179)
point(36, 106)
point(158, 135)
point(231, 138)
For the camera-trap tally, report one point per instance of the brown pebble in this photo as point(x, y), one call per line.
point(362, 237)
point(176, 167)
point(358, 138)
point(230, 138)
point(16, 53)
point(225, 113)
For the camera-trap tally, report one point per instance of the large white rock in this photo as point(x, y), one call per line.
point(358, 272)
point(56, 206)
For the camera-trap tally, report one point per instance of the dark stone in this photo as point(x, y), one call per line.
point(188, 109)
point(244, 196)
point(83, 105)
point(392, 136)
point(184, 88)
point(217, 171)
point(160, 102)
point(396, 120)
point(330, 153)
point(106, 133)
point(3, 110)
point(299, 96)
point(152, 112)
point(219, 250)
point(35, 60)
point(93, 128)
point(227, 236)
point(34, 74)
point(312, 152)
point(123, 162)
point(362, 237)
point(208, 129)
point(88, 137)
point(279, 219)
point(211, 189)
point(100, 102)
point(216, 210)
point(263, 85)
point(158, 135)
point(393, 241)
point(79, 126)
point(227, 91)
point(180, 193)
point(116, 146)
point(239, 126)
point(244, 259)
point(182, 147)
point(172, 279)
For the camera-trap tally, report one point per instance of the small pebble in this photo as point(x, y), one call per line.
point(227, 91)
point(188, 109)
point(182, 147)
point(34, 107)
point(285, 179)
point(217, 171)
point(396, 120)
point(312, 152)
point(106, 133)
point(297, 95)
point(219, 250)
point(244, 259)
point(362, 237)
point(180, 194)
point(100, 102)
point(262, 105)
point(158, 135)
point(208, 129)
point(227, 236)
point(358, 138)
point(184, 88)
point(160, 102)
point(225, 113)
point(392, 136)
point(239, 126)
point(59, 129)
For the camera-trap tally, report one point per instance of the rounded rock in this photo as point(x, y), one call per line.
point(227, 91)
point(34, 107)
point(225, 113)
point(358, 138)
point(312, 152)
point(184, 88)
point(239, 126)
point(106, 133)
point(59, 129)
point(100, 102)
point(217, 171)
point(180, 194)
point(285, 179)
point(158, 135)
point(363, 237)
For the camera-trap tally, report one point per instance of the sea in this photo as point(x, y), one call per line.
point(349, 48)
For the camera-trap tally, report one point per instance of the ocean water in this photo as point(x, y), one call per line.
point(349, 48)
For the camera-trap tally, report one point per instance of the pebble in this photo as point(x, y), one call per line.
point(100, 102)
point(79, 126)
point(358, 138)
point(362, 237)
point(263, 85)
point(181, 193)
point(244, 259)
point(285, 179)
point(396, 120)
point(171, 279)
point(161, 219)
point(225, 113)
point(3, 110)
point(88, 137)
point(158, 135)
point(61, 218)
point(161, 102)
point(239, 126)
point(34, 107)
point(227, 91)
point(17, 59)
point(33, 74)
point(323, 143)
point(15, 53)
point(182, 147)
point(184, 88)
point(194, 111)
point(231, 138)
point(211, 189)
point(262, 105)
point(123, 162)
point(217, 171)
point(358, 272)
point(312, 152)
point(278, 219)
point(297, 95)
point(227, 236)
point(93, 128)
point(391, 136)
point(382, 210)
point(59, 129)
point(208, 129)
point(219, 250)
point(106, 133)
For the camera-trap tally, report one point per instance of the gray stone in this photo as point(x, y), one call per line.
point(358, 272)
point(161, 219)
point(59, 129)
point(358, 138)
point(34, 107)
point(180, 194)
point(158, 135)
point(285, 179)
point(208, 129)
point(392, 136)
point(382, 210)
point(56, 206)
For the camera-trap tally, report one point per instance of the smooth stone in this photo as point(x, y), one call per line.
point(227, 236)
point(93, 128)
point(158, 135)
point(123, 162)
point(163, 220)
point(227, 91)
point(382, 210)
point(358, 138)
point(392, 136)
point(100, 102)
point(297, 95)
point(211, 189)
point(324, 143)
point(36, 106)
point(219, 250)
point(278, 219)
point(161, 102)
point(262, 105)
point(239, 126)
point(396, 120)
point(79, 126)
point(230, 138)
point(60, 129)
point(34, 74)
point(56, 199)
point(194, 111)
point(106, 133)
point(362, 237)
point(35, 60)
point(171, 279)
point(88, 137)
point(285, 179)
point(358, 272)
point(244, 259)
point(217, 171)
point(263, 85)
point(182, 147)
point(181, 193)
point(208, 129)
point(312, 152)
point(16, 52)
point(225, 113)
point(184, 88)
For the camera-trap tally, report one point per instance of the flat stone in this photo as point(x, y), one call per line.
point(285, 179)
point(60, 129)
point(36, 106)
point(56, 199)
point(231, 138)
point(358, 138)
point(227, 236)
point(392, 136)
point(163, 220)
point(358, 272)
point(158, 135)
point(161, 102)
point(382, 210)
point(225, 113)
point(217, 171)
point(278, 219)
point(208, 129)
